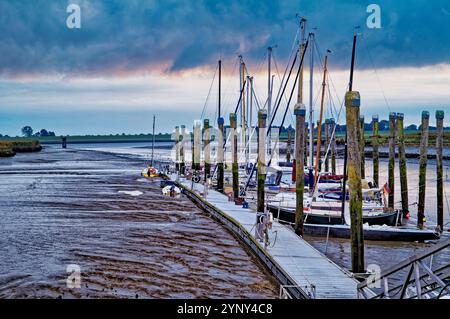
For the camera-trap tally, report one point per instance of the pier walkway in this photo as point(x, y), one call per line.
point(302, 270)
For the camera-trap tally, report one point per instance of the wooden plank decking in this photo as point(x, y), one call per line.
point(296, 258)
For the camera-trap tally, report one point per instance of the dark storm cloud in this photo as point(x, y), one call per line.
point(125, 36)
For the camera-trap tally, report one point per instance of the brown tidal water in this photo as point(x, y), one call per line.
point(66, 207)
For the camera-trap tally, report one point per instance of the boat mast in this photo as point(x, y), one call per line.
point(269, 96)
point(350, 88)
point(311, 112)
point(319, 127)
point(153, 141)
point(220, 88)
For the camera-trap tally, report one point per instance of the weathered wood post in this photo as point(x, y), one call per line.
point(352, 105)
point(375, 153)
point(220, 154)
point(423, 168)
point(439, 169)
point(177, 149)
point(182, 146)
point(362, 145)
point(333, 146)
point(327, 144)
point(262, 118)
point(64, 142)
point(207, 148)
point(289, 144)
point(234, 150)
point(305, 151)
point(402, 164)
point(391, 176)
point(300, 141)
point(197, 144)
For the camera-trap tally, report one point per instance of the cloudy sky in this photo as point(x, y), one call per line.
point(134, 58)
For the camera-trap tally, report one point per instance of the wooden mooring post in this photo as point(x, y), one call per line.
point(207, 148)
point(197, 145)
point(362, 145)
point(423, 168)
point(352, 105)
point(402, 165)
point(391, 176)
point(439, 168)
point(327, 144)
point(289, 144)
point(375, 152)
point(182, 146)
point(300, 142)
point(177, 149)
point(64, 142)
point(220, 154)
point(234, 155)
point(262, 119)
point(333, 146)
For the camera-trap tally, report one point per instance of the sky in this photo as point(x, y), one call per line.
point(132, 59)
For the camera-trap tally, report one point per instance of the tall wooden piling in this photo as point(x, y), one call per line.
point(289, 144)
point(220, 154)
point(177, 149)
point(327, 144)
point(391, 176)
point(362, 144)
point(333, 146)
point(439, 168)
point(182, 146)
point(234, 154)
point(64, 142)
point(423, 168)
point(300, 142)
point(352, 105)
point(207, 148)
point(402, 164)
point(262, 119)
point(197, 145)
point(375, 152)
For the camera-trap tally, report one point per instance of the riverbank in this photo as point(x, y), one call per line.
point(9, 148)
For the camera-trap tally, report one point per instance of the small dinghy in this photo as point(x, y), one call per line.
point(150, 172)
point(171, 191)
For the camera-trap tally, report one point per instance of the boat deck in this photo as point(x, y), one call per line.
point(302, 263)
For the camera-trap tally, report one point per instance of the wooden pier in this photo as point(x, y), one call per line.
point(302, 271)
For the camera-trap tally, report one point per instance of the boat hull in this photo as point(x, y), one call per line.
point(394, 234)
point(288, 215)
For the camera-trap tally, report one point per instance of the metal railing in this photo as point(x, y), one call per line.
point(309, 290)
point(422, 280)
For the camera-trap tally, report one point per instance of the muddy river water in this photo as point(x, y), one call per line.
point(87, 210)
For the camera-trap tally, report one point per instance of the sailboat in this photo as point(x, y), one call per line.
point(151, 171)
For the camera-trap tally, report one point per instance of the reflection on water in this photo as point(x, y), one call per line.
point(77, 207)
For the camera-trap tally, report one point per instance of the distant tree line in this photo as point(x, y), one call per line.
point(27, 131)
